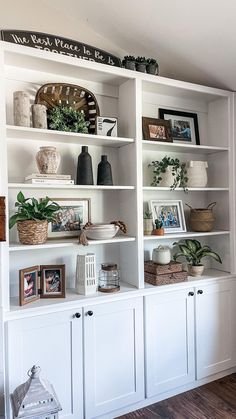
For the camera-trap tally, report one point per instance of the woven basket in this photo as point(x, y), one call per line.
point(32, 232)
point(202, 219)
point(71, 95)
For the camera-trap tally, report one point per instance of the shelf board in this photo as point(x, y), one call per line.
point(187, 234)
point(36, 134)
point(181, 148)
point(75, 187)
point(207, 189)
point(52, 244)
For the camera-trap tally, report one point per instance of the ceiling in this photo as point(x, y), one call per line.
point(193, 40)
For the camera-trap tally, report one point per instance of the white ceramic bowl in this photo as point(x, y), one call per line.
point(101, 234)
point(101, 227)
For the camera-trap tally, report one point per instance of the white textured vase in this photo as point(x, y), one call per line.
point(167, 178)
point(197, 174)
point(48, 160)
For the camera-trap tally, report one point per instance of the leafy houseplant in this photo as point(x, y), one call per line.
point(194, 252)
point(159, 230)
point(32, 218)
point(147, 223)
point(141, 64)
point(63, 118)
point(169, 172)
point(129, 62)
point(152, 66)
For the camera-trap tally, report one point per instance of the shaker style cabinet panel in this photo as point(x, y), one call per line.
point(54, 342)
point(114, 375)
point(169, 340)
point(215, 328)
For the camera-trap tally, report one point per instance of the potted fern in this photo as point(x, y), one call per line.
point(147, 223)
point(194, 252)
point(32, 218)
point(169, 172)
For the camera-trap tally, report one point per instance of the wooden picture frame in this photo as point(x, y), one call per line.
point(187, 121)
point(156, 130)
point(71, 209)
point(170, 212)
point(28, 285)
point(52, 281)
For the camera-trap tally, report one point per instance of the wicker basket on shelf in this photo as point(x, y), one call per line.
point(70, 95)
point(32, 232)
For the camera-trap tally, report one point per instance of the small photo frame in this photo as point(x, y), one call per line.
point(52, 281)
point(170, 212)
point(28, 285)
point(184, 126)
point(71, 218)
point(156, 130)
point(106, 125)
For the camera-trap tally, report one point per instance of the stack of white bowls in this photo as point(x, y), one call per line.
point(101, 231)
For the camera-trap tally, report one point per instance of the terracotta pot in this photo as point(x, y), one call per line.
point(195, 270)
point(147, 226)
point(158, 231)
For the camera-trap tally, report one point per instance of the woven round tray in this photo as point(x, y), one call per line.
point(71, 95)
point(32, 232)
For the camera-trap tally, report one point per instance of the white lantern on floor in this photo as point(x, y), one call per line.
point(35, 399)
point(86, 281)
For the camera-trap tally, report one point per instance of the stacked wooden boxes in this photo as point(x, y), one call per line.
point(2, 219)
point(156, 274)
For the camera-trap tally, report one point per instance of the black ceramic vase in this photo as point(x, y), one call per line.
point(84, 168)
point(104, 176)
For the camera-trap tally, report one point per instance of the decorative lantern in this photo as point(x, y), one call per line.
point(35, 399)
point(86, 282)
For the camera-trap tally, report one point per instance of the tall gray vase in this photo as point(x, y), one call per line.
point(104, 176)
point(84, 168)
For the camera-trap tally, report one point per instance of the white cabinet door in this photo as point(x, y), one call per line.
point(114, 375)
point(54, 342)
point(215, 328)
point(169, 340)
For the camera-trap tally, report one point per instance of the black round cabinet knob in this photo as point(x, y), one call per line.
point(90, 313)
point(191, 293)
point(77, 315)
point(200, 292)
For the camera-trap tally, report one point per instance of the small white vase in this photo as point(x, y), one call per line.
point(195, 270)
point(167, 178)
point(147, 226)
point(48, 160)
point(161, 255)
point(197, 174)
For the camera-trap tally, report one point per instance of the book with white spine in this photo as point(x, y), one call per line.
point(47, 176)
point(51, 181)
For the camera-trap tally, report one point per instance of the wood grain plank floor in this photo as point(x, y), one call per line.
point(216, 400)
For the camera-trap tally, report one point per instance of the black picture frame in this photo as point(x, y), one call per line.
point(164, 112)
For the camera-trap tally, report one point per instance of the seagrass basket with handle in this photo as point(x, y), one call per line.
point(32, 231)
point(70, 95)
point(202, 219)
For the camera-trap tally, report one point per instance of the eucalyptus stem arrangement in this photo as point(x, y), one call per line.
point(178, 172)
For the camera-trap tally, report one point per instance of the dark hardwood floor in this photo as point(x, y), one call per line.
point(216, 400)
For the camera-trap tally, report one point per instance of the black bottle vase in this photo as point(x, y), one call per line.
point(84, 168)
point(104, 176)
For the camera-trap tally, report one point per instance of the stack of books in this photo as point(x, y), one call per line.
point(156, 274)
point(39, 178)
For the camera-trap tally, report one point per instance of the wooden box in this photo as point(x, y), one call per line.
point(165, 279)
point(2, 219)
point(154, 268)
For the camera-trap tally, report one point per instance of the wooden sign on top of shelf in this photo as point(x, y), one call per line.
point(59, 45)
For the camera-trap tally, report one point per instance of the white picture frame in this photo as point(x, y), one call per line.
point(170, 212)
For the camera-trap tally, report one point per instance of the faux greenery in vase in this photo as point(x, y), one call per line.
point(169, 172)
point(194, 252)
point(147, 223)
point(64, 118)
point(32, 218)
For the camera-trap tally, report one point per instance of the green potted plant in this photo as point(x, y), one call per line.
point(194, 252)
point(65, 118)
point(169, 172)
point(129, 62)
point(159, 230)
point(141, 64)
point(147, 223)
point(152, 66)
point(32, 218)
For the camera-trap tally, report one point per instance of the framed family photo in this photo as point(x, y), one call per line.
point(70, 219)
point(28, 285)
point(156, 130)
point(184, 126)
point(52, 281)
point(170, 213)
